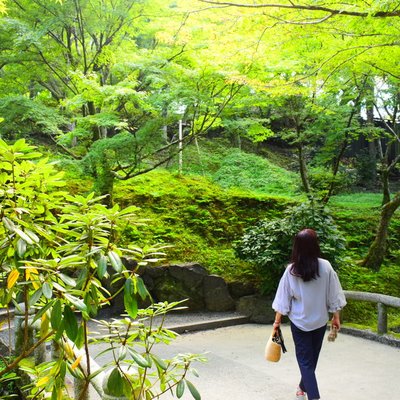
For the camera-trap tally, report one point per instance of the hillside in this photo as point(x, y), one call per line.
point(201, 214)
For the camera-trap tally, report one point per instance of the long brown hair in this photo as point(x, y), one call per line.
point(305, 253)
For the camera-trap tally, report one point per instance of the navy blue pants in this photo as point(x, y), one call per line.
point(308, 346)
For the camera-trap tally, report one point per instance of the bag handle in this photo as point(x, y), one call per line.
point(278, 338)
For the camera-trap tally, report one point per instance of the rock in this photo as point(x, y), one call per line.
point(192, 283)
point(191, 275)
point(129, 263)
point(154, 272)
point(258, 308)
point(148, 281)
point(171, 290)
point(216, 294)
point(240, 289)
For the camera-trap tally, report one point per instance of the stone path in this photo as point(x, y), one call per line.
point(350, 369)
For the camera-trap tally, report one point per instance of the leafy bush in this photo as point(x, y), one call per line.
point(57, 250)
point(268, 244)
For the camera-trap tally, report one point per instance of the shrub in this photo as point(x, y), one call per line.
point(56, 250)
point(268, 244)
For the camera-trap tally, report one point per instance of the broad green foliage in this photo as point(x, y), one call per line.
point(134, 357)
point(109, 81)
point(23, 117)
point(310, 41)
point(268, 244)
point(55, 251)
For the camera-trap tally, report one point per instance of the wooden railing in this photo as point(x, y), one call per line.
point(382, 300)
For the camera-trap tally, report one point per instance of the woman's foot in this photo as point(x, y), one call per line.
point(300, 394)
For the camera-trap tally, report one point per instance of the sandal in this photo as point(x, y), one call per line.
point(300, 395)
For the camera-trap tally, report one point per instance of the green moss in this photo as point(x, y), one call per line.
point(201, 220)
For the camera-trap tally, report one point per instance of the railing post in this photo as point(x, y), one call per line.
point(382, 319)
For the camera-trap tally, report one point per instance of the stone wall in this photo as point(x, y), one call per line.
point(201, 290)
point(191, 282)
point(205, 292)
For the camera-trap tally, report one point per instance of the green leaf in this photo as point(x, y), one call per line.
point(54, 393)
point(47, 290)
point(71, 323)
point(91, 301)
point(141, 288)
point(21, 247)
point(63, 368)
point(115, 261)
point(160, 362)
point(23, 235)
point(32, 235)
point(42, 311)
point(193, 390)
point(80, 337)
point(140, 360)
point(101, 266)
point(78, 303)
point(122, 353)
point(67, 280)
point(60, 331)
point(115, 384)
point(180, 389)
point(9, 225)
point(130, 301)
point(35, 297)
point(56, 315)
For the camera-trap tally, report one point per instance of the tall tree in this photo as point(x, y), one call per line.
point(202, 94)
point(64, 48)
point(319, 40)
point(386, 106)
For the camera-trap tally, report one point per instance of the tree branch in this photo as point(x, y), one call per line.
point(308, 7)
point(69, 152)
point(133, 173)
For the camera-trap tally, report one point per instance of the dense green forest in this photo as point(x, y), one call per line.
point(180, 131)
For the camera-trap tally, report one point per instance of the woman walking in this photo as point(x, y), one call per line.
point(308, 291)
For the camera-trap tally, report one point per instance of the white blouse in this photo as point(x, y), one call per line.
point(307, 304)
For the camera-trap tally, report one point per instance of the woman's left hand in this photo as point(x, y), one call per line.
point(276, 325)
point(336, 320)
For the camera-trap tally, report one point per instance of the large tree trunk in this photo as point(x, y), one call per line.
point(377, 251)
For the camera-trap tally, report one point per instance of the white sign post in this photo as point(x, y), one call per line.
point(180, 111)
